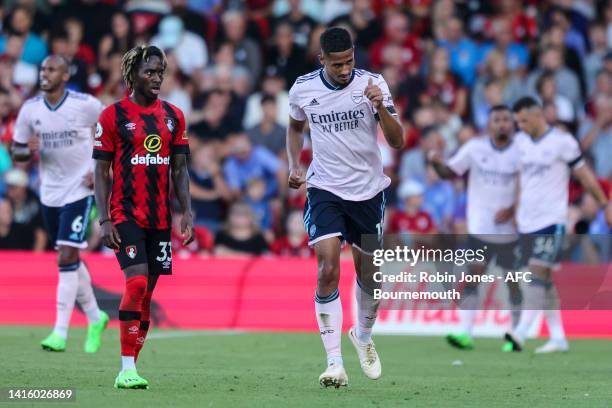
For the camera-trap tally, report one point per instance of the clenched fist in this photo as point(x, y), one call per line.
point(374, 94)
point(297, 177)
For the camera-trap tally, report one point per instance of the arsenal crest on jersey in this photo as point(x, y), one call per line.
point(357, 97)
point(131, 251)
point(170, 125)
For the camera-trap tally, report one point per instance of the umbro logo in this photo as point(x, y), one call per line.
point(314, 102)
point(130, 126)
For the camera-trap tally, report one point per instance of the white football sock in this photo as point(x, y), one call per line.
point(127, 363)
point(534, 299)
point(552, 314)
point(555, 324)
point(85, 295)
point(468, 309)
point(66, 295)
point(329, 316)
point(367, 310)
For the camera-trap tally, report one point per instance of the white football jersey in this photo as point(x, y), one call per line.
point(66, 142)
point(545, 166)
point(491, 183)
point(346, 160)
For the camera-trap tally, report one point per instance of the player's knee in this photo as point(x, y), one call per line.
point(136, 287)
point(329, 273)
point(67, 255)
point(136, 270)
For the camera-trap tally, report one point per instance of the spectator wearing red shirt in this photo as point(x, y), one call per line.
point(397, 46)
point(7, 117)
point(523, 22)
point(295, 241)
point(413, 219)
point(202, 244)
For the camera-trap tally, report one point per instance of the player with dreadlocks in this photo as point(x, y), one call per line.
point(144, 140)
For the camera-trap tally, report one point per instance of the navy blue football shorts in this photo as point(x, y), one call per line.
point(67, 225)
point(359, 223)
point(543, 247)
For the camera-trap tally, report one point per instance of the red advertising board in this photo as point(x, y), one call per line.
point(233, 293)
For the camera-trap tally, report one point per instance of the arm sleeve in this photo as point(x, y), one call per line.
point(23, 126)
point(231, 175)
point(295, 111)
point(94, 109)
point(387, 98)
point(180, 143)
point(570, 151)
point(105, 137)
point(460, 163)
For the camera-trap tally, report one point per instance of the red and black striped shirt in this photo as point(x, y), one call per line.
point(140, 141)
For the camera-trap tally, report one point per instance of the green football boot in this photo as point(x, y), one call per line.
point(94, 333)
point(130, 380)
point(53, 342)
point(461, 341)
point(507, 347)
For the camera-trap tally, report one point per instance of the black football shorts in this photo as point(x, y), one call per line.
point(145, 246)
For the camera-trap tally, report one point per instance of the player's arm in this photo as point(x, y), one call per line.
point(295, 143)
point(437, 162)
point(390, 125)
point(180, 180)
point(102, 189)
point(507, 214)
point(587, 178)
point(23, 145)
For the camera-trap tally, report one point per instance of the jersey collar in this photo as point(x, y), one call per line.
point(55, 107)
point(333, 87)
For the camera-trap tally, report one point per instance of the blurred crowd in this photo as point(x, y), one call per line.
point(232, 62)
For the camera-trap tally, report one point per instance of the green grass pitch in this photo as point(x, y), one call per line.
point(225, 369)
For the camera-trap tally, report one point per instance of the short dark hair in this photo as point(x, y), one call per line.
point(526, 102)
point(428, 130)
point(59, 33)
point(499, 108)
point(336, 39)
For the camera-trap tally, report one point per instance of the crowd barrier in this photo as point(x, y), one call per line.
point(264, 293)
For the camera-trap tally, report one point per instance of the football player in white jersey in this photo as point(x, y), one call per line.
point(491, 163)
point(345, 181)
point(59, 124)
point(547, 157)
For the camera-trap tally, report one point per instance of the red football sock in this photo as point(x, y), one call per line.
point(130, 312)
point(144, 323)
